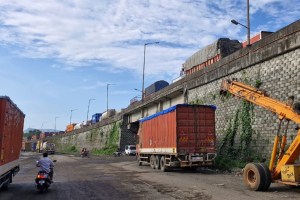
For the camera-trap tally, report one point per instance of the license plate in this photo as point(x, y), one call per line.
point(197, 159)
point(41, 181)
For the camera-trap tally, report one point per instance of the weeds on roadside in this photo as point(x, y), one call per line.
point(105, 151)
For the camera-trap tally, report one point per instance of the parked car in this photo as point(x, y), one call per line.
point(130, 150)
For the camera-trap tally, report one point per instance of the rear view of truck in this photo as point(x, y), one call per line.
point(11, 133)
point(50, 148)
point(181, 136)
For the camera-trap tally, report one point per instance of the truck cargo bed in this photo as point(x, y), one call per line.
point(11, 133)
point(184, 131)
point(11, 130)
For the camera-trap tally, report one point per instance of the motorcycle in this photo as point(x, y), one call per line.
point(85, 154)
point(43, 180)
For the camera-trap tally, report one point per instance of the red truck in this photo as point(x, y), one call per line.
point(180, 136)
point(11, 133)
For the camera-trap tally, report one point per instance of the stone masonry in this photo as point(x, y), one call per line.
point(274, 61)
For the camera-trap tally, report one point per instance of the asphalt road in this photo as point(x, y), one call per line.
point(121, 178)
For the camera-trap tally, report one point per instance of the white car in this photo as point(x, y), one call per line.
point(130, 149)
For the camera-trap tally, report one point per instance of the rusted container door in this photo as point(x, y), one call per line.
point(195, 129)
point(11, 130)
point(159, 132)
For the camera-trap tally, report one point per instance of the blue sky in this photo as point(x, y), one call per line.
point(58, 54)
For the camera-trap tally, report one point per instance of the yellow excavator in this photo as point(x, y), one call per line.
point(282, 167)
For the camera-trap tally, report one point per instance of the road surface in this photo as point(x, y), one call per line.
point(112, 178)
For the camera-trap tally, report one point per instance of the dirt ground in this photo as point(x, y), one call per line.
point(121, 178)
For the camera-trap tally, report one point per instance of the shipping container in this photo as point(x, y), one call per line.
point(39, 147)
point(87, 123)
point(158, 85)
point(11, 134)
point(210, 54)
point(70, 127)
point(27, 146)
point(135, 99)
point(78, 126)
point(257, 37)
point(49, 134)
point(109, 113)
point(33, 146)
point(96, 117)
point(181, 136)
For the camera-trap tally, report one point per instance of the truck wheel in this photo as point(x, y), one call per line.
point(163, 166)
point(254, 177)
point(152, 161)
point(157, 162)
point(268, 176)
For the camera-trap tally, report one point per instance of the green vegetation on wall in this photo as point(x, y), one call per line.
point(233, 151)
point(92, 135)
point(69, 149)
point(230, 153)
point(236, 148)
point(112, 141)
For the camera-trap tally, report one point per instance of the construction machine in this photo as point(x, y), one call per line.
point(282, 167)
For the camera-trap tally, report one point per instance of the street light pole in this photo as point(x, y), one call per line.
point(107, 95)
point(143, 85)
point(71, 115)
point(55, 123)
point(87, 115)
point(248, 23)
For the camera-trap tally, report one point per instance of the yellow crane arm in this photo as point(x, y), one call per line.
point(283, 110)
point(260, 98)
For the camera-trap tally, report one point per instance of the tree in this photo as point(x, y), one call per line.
point(32, 132)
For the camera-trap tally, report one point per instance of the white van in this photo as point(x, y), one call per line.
point(130, 150)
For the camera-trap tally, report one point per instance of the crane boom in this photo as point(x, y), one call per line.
point(260, 98)
point(283, 110)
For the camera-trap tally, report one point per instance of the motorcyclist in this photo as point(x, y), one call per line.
point(84, 152)
point(46, 164)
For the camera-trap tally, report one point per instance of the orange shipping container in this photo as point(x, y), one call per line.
point(180, 136)
point(182, 129)
point(11, 133)
point(70, 127)
point(257, 37)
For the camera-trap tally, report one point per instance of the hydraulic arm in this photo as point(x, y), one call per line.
point(283, 110)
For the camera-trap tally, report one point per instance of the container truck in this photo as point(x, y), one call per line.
point(180, 136)
point(158, 85)
point(96, 117)
point(11, 133)
point(49, 147)
point(210, 54)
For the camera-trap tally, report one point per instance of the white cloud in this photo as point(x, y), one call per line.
point(112, 33)
point(96, 85)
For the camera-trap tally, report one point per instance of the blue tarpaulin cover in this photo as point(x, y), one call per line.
point(171, 109)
